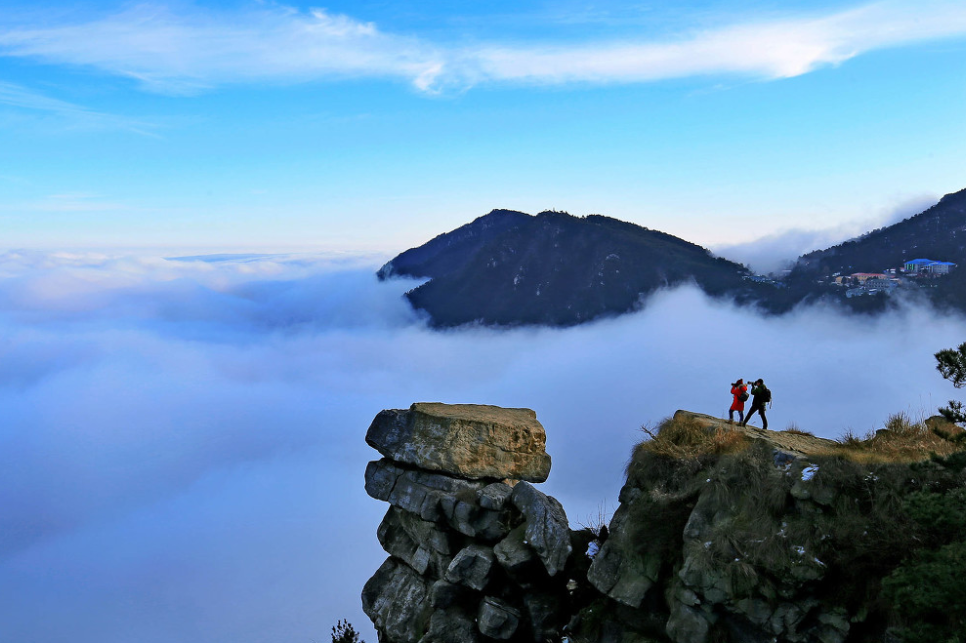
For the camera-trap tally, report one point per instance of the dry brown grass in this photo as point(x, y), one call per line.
point(793, 429)
point(689, 439)
point(902, 440)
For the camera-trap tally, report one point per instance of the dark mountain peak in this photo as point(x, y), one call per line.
point(556, 214)
point(508, 268)
point(958, 198)
point(445, 250)
point(500, 214)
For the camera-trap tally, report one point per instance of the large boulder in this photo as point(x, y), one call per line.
point(452, 625)
point(431, 496)
point(469, 518)
point(395, 599)
point(623, 575)
point(497, 619)
point(547, 530)
point(471, 567)
point(465, 440)
point(513, 553)
point(415, 542)
point(438, 498)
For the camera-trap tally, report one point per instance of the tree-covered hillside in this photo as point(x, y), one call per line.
point(509, 268)
point(938, 233)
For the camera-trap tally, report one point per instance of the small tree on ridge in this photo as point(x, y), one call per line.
point(951, 363)
point(345, 633)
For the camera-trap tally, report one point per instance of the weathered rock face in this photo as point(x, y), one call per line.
point(464, 440)
point(476, 553)
point(736, 548)
point(547, 529)
point(740, 547)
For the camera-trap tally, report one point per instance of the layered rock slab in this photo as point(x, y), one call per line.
point(471, 441)
point(476, 552)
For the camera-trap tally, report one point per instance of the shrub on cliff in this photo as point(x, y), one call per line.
point(343, 632)
point(952, 365)
point(928, 591)
point(900, 441)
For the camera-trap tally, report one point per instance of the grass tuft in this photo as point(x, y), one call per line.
point(902, 440)
point(688, 439)
point(793, 428)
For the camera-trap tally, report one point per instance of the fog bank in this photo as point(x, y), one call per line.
point(774, 252)
point(183, 439)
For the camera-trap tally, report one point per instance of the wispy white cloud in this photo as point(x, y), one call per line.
point(780, 250)
point(760, 49)
point(22, 98)
point(193, 49)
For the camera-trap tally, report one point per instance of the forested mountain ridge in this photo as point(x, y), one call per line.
point(509, 268)
point(937, 233)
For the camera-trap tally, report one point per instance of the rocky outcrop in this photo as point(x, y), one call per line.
point(476, 553)
point(464, 440)
point(775, 541)
point(755, 537)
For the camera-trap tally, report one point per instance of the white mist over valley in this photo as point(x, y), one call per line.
point(183, 440)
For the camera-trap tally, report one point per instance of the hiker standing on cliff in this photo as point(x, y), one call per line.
point(740, 393)
point(762, 396)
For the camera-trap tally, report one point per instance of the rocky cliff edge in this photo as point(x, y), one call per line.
point(723, 533)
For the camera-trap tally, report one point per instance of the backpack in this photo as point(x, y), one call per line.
point(765, 395)
point(743, 397)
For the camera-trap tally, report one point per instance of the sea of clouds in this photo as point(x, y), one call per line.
point(181, 440)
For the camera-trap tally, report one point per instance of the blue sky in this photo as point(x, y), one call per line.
point(373, 126)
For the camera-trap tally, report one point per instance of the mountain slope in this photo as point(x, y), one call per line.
point(937, 233)
point(509, 268)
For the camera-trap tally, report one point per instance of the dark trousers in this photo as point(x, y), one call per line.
point(731, 416)
point(760, 408)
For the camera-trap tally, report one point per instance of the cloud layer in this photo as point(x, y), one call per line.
point(778, 251)
point(191, 49)
point(183, 439)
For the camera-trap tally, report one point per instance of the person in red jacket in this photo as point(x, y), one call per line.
point(740, 393)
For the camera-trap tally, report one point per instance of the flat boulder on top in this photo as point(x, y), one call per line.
point(472, 441)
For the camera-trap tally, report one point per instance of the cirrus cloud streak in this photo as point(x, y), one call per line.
point(195, 49)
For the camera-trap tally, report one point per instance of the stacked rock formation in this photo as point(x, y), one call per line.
point(476, 552)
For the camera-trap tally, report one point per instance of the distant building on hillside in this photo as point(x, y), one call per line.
point(872, 284)
point(941, 267)
point(928, 267)
point(862, 277)
point(876, 283)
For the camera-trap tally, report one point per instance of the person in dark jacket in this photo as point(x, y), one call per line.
point(740, 393)
point(760, 397)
